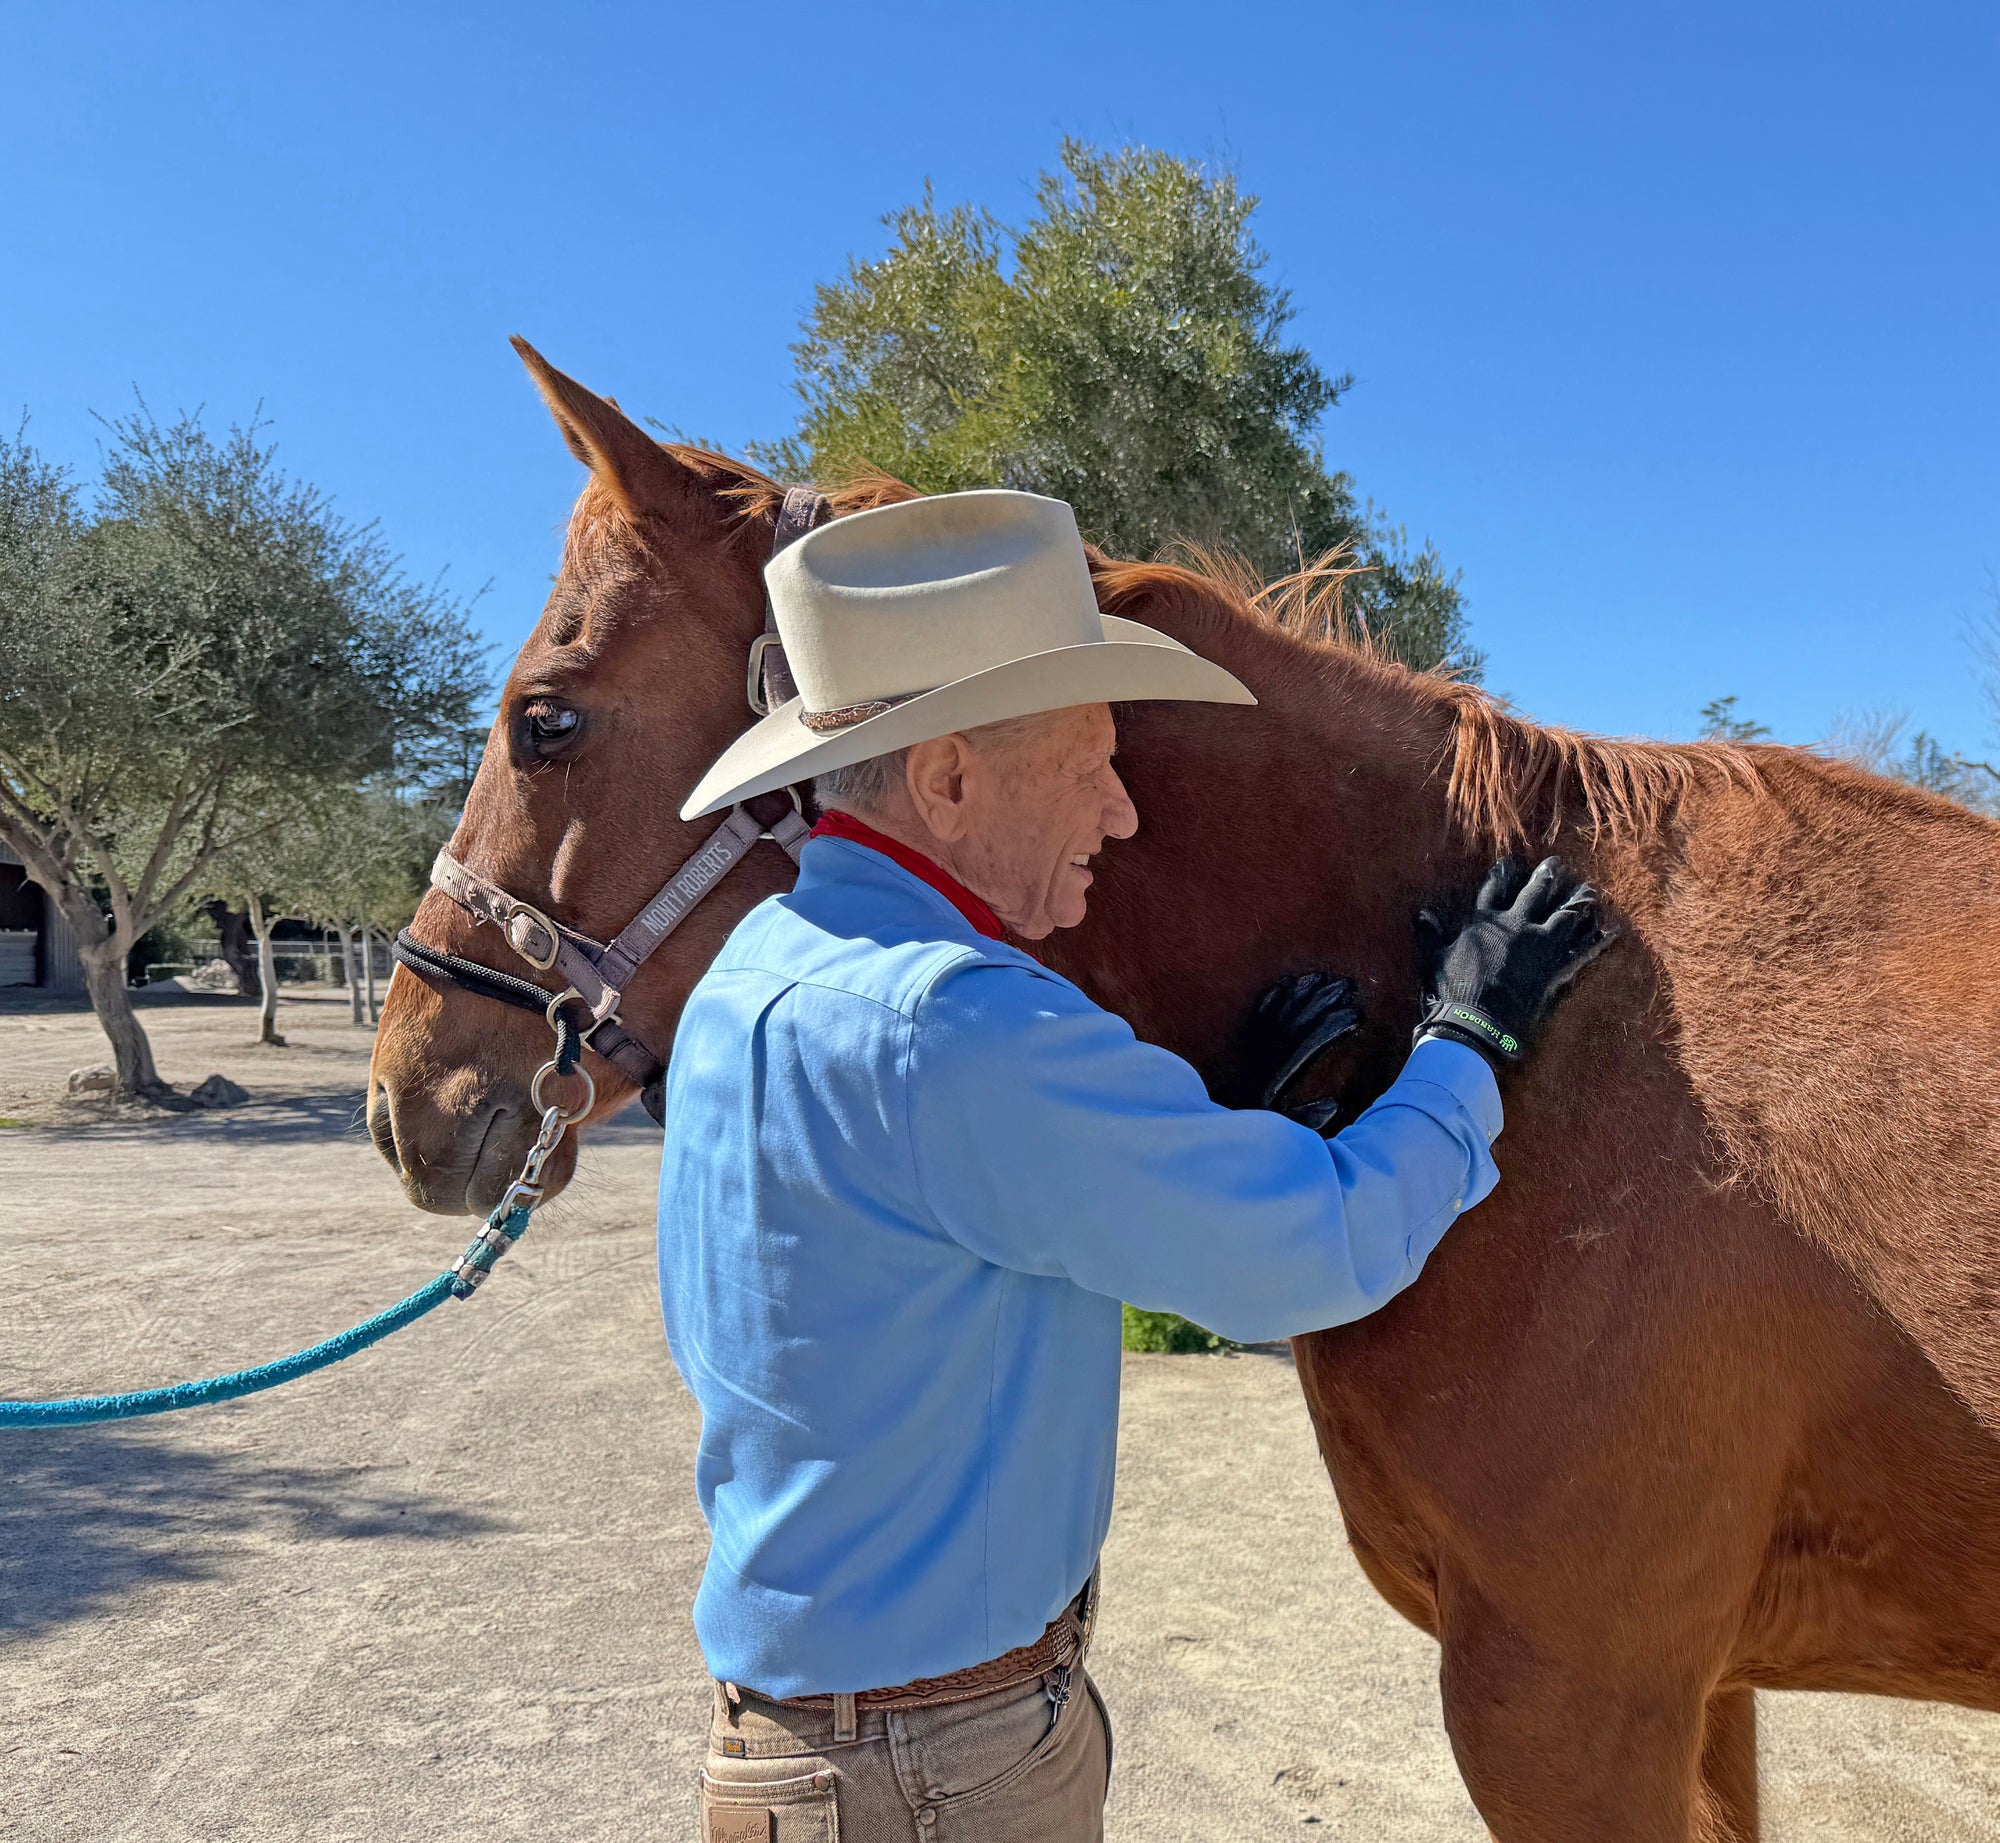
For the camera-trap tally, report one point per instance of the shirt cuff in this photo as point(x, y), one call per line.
point(1464, 1073)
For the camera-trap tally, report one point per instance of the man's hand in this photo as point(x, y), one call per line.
point(1492, 984)
point(1296, 1019)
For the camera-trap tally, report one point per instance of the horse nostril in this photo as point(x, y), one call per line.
point(382, 1128)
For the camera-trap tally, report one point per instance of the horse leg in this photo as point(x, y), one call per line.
point(1555, 1749)
point(1727, 1812)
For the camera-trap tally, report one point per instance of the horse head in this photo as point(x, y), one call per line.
point(631, 683)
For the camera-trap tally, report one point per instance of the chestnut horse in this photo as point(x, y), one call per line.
point(1706, 1396)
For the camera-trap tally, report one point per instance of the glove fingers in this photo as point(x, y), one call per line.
point(1322, 1035)
point(1544, 891)
point(1502, 885)
point(1432, 938)
point(1297, 1017)
point(1312, 996)
point(1274, 1004)
point(1586, 949)
point(1578, 910)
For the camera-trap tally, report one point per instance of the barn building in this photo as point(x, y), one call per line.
point(37, 947)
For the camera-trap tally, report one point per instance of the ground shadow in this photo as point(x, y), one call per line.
point(293, 1119)
point(90, 1514)
point(33, 1001)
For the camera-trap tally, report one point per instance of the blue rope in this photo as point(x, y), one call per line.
point(454, 1283)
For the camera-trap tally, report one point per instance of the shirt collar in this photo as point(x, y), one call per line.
point(835, 824)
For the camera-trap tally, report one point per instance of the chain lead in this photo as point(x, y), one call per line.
point(509, 1219)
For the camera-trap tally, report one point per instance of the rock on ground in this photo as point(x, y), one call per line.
point(218, 1091)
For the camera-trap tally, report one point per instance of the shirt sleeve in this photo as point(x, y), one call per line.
point(1047, 1138)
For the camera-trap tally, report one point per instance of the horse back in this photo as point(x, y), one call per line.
point(1825, 946)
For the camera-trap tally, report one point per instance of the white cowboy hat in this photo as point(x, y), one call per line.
point(935, 615)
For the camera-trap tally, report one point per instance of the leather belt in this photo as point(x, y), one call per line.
point(1056, 1653)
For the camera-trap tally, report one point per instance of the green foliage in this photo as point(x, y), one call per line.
point(190, 663)
point(1121, 351)
point(341, 856)
point(1168, 1332)
point(1720, 723)
point(212, 639)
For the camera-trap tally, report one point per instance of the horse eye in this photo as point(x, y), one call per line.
point(548, 725)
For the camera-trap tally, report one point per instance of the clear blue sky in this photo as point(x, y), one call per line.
point(1676, 328)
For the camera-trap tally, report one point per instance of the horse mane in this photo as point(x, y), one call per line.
point(601, 528)
point(758, 498)
point(1517, 783)
point(1511, 782)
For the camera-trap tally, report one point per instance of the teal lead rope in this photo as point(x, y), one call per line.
point(457, 1282)
point(507, 1224)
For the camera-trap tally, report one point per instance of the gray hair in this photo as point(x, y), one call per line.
point(861, 787)
point(865, 787)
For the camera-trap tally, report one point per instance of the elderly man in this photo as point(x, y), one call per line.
point(910, 1173)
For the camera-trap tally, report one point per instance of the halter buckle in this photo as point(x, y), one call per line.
point(753, 686)
point(521, 939)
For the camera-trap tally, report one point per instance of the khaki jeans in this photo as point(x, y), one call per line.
point(1008, 1767)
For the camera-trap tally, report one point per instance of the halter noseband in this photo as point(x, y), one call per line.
point(595, 974)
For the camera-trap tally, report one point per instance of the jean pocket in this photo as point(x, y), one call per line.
point(1062, 1722)
point(801, 1809)
point(959, 1748)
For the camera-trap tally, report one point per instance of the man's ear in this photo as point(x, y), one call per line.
point(640, 474)
point(934, 777)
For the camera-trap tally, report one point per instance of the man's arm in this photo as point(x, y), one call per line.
point(1047, 1138)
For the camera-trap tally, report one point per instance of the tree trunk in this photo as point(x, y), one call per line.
point(368, 960)
point(102, 947)
point(267, 975)
point(350, 973)
point(236, 945)
point(111, 999)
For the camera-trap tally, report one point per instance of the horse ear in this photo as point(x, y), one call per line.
point(617, 451)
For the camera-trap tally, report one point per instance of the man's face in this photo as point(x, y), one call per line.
point(1039, 801)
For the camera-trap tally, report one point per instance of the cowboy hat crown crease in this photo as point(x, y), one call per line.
point(920, 594)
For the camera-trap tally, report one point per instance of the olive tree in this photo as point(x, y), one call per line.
point(357, 862)
point(1122, 350)
point(187, 657)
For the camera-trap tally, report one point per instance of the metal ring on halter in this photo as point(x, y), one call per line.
point(566, 1115)
point(556, 1003)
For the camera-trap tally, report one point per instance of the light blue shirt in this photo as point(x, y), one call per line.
point(909, 1174)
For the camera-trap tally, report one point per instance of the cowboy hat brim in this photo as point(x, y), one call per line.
point(1131, 662)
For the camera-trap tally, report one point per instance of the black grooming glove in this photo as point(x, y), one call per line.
point(1493, 983)
point(1296, 1019)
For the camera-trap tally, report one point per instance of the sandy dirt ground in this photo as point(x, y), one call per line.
point(442, 1591)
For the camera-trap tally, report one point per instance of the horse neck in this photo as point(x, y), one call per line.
point(1305, 833)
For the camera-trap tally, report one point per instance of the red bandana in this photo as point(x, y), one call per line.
point(836, 824)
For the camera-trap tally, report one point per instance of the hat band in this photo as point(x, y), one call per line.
point(827, 722)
